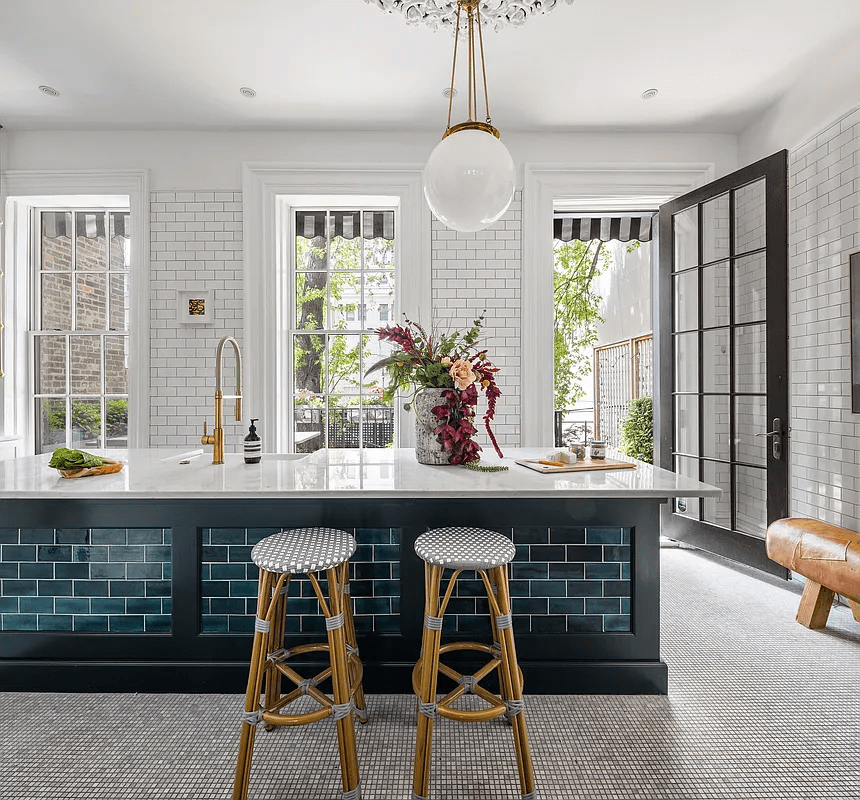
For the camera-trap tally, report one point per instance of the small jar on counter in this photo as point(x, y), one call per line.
point(597, 450)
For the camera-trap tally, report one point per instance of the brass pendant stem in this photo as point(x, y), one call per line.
point(453, 70)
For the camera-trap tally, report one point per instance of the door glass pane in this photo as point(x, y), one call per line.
point(86, 364)
point(689, 468)
point(715, 229)
point(90, 301)
point(750, 288)
point(90, 241)
point(86, 423)
point(50, 424)
point(718, 510)
point(50, 365)
point(751, 500)
point(56, 241)
point(715, 358)
point(750, 217)
point(686, 235)
point(750, 419)
point(751, 359)
point(687, 362)
point(715, 295)
point(56, 302)
point(687, 424)
point(716, 426)
point(687, 300)
point(116, 364)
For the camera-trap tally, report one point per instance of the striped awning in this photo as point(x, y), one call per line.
point(87, 225)
point(586, 229)
point(346, 224)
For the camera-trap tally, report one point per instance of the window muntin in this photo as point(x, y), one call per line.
point(344, 272)
point(80, 337)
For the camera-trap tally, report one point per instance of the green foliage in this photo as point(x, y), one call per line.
point(637, 430)
point(86, 416)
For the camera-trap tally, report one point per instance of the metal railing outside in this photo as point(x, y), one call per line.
point(352, 427)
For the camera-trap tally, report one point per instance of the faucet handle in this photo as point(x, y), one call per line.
point(204, 439)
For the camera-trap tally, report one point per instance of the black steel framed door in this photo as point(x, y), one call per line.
point(723, 376)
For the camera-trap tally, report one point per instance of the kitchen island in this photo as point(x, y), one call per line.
point(142, 580)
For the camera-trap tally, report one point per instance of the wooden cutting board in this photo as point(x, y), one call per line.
point(580, 466)
point(85, 472)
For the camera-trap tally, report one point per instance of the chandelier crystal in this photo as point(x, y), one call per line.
point(496, 14)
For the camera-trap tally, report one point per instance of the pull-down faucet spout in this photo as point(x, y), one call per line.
point(217, 437)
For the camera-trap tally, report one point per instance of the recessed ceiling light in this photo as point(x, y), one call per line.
point(446, 93)
point(247, 91)
point(649, 94)
point(49, 90)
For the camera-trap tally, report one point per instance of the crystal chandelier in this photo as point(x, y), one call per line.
point(443, 13)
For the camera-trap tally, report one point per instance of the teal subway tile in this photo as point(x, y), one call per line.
point(386, 552)
point(56, 588)
point(18, 552)
point(616, 552)
point(531, 535)
point(603, 571)
point(373, 535)
point(37, 536)
point(548, 588)
point(222, 588)
point(37, 605)
point(529, 605)
point(242, 624)
point(9, 536)
point(143, 605)
point(70, 571)
point(38, 569)
point(168, 536)
point(584, 589)
point(107, 605)
point(616, 588)
point(19, 622)
point(100, 569)
point(158, 588)
point(228, 572)
point(566, 571)
point(108, 535)
point(625, 605)
point(143, 571)
point(205, 536)
point(625, 571)
point(145, 536)
point(603, 535)
point(625, 536)
point(530, 570)
point(239, 553)
point(167, 570)
point(243, 588)
point(91, 588)
point(211, 624)
point(72, 536)
point(158, 623)
point(616, 622)
point(55, 552)
point(127, 588)
point(228, 605)
point(167, 605)
point(126, 553)
point(87, 553)
point(552, 624)
point(566, 605)
point(18, 588)
point(254, 535)
point(602, 605)
point(9, 605)
point(72, 605)
point(9, 569)
point(126, 624)
point(584, 624)
point(90, 624)
point(55, 622)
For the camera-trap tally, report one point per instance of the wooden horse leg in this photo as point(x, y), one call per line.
point(814, 605)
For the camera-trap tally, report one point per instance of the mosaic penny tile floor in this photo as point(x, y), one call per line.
point(758, 708)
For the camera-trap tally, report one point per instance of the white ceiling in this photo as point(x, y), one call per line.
point(344, 65)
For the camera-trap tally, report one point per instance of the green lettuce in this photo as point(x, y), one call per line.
point(64, 458)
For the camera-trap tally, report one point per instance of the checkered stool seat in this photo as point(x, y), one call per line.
point(465, 548)
point(303, 550)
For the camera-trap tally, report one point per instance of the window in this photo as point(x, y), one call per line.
point(80, 311)
point(383, 312)
point(343, 267)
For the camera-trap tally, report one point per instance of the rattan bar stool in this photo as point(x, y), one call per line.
point(488, 553)
point(307, 551)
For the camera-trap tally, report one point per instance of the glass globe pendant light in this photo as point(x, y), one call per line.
point(469, 177)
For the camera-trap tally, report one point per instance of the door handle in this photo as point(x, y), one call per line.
point(776, 433)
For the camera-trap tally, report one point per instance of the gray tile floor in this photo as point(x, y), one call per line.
point(758, 707)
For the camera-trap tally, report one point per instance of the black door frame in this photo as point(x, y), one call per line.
point(731, 544)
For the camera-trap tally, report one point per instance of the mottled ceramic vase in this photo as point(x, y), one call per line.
point(428, 450)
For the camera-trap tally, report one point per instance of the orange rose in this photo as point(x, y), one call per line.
point(461, 372)
point(446, 360)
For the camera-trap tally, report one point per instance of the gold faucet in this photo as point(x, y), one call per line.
point(217, 437)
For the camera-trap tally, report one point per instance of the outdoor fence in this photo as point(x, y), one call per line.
point(572, 426)
point(369, 426)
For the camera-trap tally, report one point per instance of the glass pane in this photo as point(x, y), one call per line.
point(345, 253)
point(346, 307)
point(119, 302)
point(311, 253)
point(687, 301)
point(344, 369)
point(86, 424)
point(715, 295)
point(750, 419)
point(378, 292)
point(86, 364)
point(751, 359)
point(308, 416)
point(687, 424)
point(343, 422)
point(377, 423)
point(50, 365)
point(56, 302)
point(750, 289)
point(378, 254)
point(90, 302)
point(120, 241)
point(689, 468)
point(718, 510)
point(716, 427)
point(686, 234)
point(56, 240)
point(751, 499)
point(715, 225)
point(116, 364)
point(309, 358)
point(91, 243)
point(715, 358)
point(750, 217)
point(50, 425)
point(116, 423)
point(687, 362)
point(311, 300)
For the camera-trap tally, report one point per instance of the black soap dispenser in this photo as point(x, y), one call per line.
point(253, 446)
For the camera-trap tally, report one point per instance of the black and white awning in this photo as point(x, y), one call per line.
point(87, 225)
point(606, 229)
point(346, 224)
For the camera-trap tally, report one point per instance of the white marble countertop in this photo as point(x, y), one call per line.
point(384, 473)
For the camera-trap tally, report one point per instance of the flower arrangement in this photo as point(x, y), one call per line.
point(453, 363)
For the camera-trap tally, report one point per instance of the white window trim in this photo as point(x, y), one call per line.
point(27, 190)
point(548, 186)
point(269, 189)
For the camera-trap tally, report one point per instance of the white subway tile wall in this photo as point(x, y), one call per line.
point(196, 243)
point(824, 228)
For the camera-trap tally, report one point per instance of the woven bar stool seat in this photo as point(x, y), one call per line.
point(303, 551)
point(488, 554)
